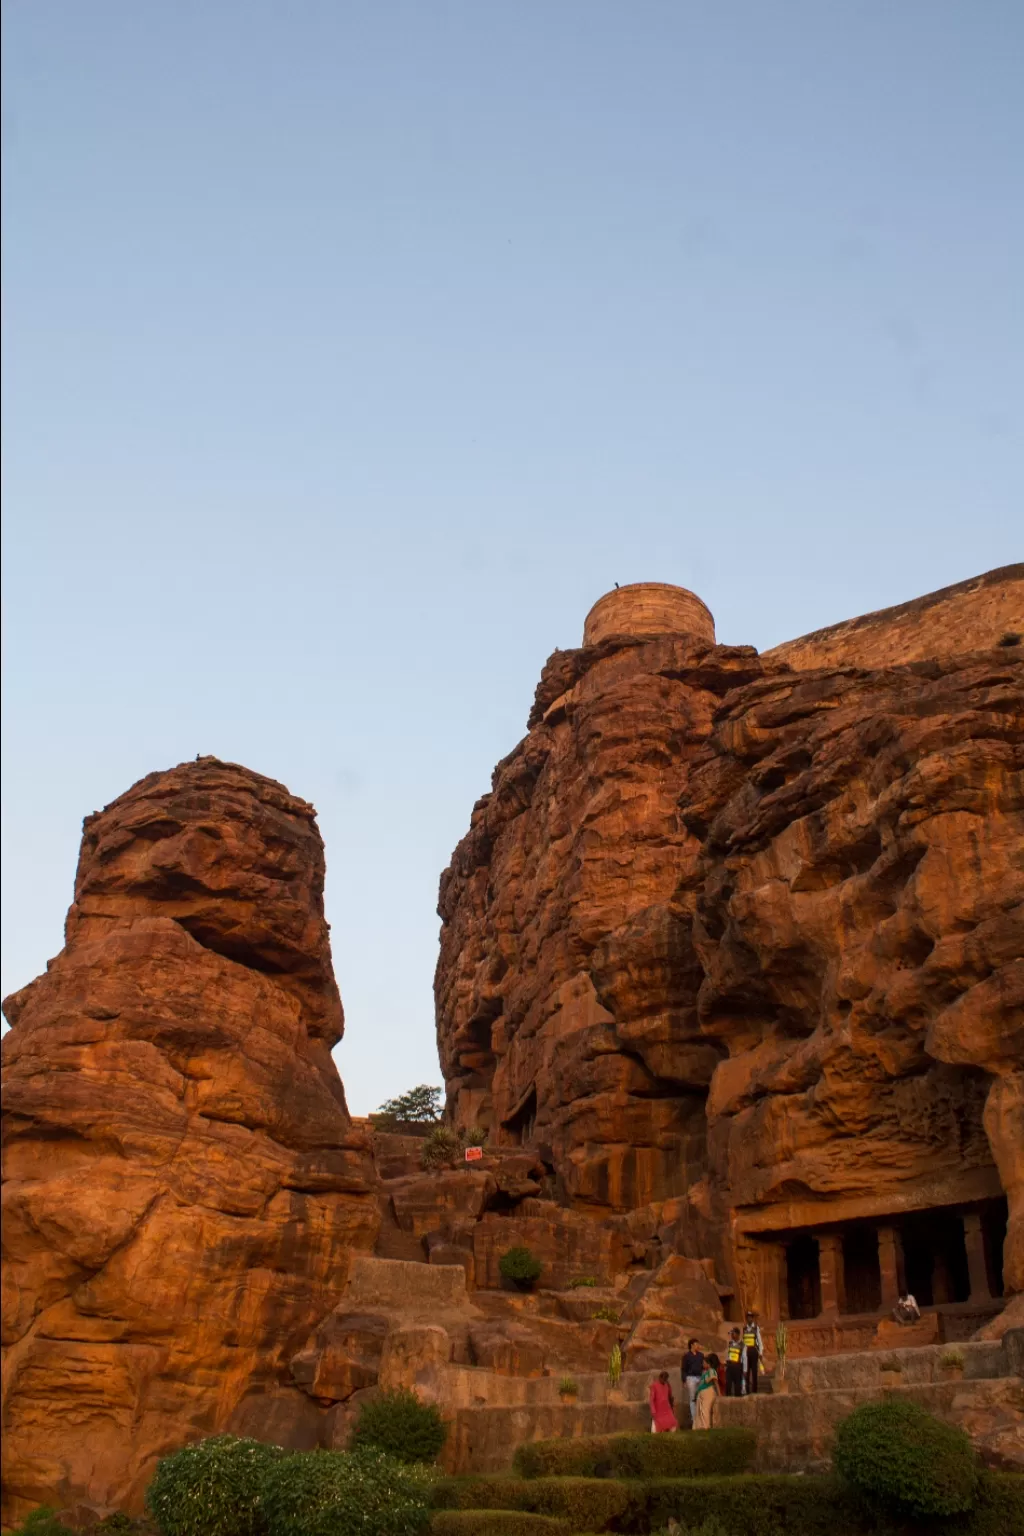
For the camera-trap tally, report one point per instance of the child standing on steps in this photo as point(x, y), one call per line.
point(663, 1418)
point(707, 1391)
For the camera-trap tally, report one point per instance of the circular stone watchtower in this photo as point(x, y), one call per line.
point(648, 608)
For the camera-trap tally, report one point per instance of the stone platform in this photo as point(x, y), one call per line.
point(795, 1428)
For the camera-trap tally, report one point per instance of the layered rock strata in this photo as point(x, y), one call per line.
point(742, 940)
point(184, 1187)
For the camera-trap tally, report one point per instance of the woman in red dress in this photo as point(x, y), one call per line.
point(662, 1405)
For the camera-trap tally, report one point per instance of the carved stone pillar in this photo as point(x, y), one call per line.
point(889, 1266)
point(783, 1281)
point(830, 1267)
point(974, 1241)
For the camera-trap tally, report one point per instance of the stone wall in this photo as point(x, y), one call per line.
point(972, 615)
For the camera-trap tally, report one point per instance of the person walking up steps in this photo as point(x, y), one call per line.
point(753, 1349)
point(707, 1391)
point(693, 1365)
point(734, 1365)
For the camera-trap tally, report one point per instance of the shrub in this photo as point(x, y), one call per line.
point(441, 1148)
point(520, 1266)
point(904, 1461)
point(398, 1424)
point(582, 1280)
point(615, 1365)
point(339, 1493)
point(475, 1136)
point(606, 1315)
point(214, 1488)
point(743, 1505)
point(709, 1527)
point(726, 1450)
point(43, 1521)
point(496, 1522)
point(585, 1503)
point(568, 1387)
point(770, 1505)
point(952, 1360)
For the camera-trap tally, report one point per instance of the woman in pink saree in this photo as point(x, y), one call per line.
point(662, 1405)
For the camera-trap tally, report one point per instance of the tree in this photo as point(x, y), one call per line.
point(419, 1106)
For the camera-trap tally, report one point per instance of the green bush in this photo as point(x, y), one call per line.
point(904, 1461)
point(340, 1493)
point(520, 1265)
point(214, 1488)
point(709, 1527)
point(743, 1505)
point(998, 1508)
point(496, 1522)
point(587, 1280)
point(606, 1315)
point(586, 1503)
point(43, 1521)
point(441, 1148)
point(474, 1136)
point(680, 1455)
point(398, 1424)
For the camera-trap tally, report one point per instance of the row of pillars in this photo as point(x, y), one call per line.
point(890, 1261)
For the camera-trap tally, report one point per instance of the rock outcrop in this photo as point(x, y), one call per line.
point(184, 1186)
point(743, 940)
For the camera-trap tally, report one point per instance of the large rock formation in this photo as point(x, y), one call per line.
point(739, 938)
point(184, 1187)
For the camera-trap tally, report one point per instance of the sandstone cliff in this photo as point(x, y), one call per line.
point(747, 938)
point(184, 1186)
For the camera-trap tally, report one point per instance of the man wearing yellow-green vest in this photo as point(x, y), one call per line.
point(753, 1349)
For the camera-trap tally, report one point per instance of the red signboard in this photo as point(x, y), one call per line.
point(474, 1154)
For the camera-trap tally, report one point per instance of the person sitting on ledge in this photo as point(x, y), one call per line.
point(906, 1309)
point(663, 1418)
point(707, 1391)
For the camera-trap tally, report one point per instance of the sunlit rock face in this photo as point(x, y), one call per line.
point(183, 1184)
point(745, 932)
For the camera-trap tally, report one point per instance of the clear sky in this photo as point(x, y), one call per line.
point(355, 347)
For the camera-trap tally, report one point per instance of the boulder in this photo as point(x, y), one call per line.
point(184, 1186)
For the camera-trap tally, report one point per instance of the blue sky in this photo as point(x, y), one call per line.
point(352, 350)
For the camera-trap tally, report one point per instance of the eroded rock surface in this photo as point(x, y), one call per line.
point(184, 1186)
point(742, 942)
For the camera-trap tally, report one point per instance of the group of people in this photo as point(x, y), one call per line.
point(706, 1376)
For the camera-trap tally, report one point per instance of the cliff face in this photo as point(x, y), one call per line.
point(751, 936)
point(183, 1182)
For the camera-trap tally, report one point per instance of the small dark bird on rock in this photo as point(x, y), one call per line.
point(616, 586)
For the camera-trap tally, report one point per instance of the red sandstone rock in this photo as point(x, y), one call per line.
point(183, 1183)
point(746, 940)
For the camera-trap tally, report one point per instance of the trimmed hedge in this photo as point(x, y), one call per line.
point(496, 1522)
point(587, 1503)
point(214, 1488)
point(779, 1504)
point(341, 1493)
point(726, 1450)
point(906, 1462)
